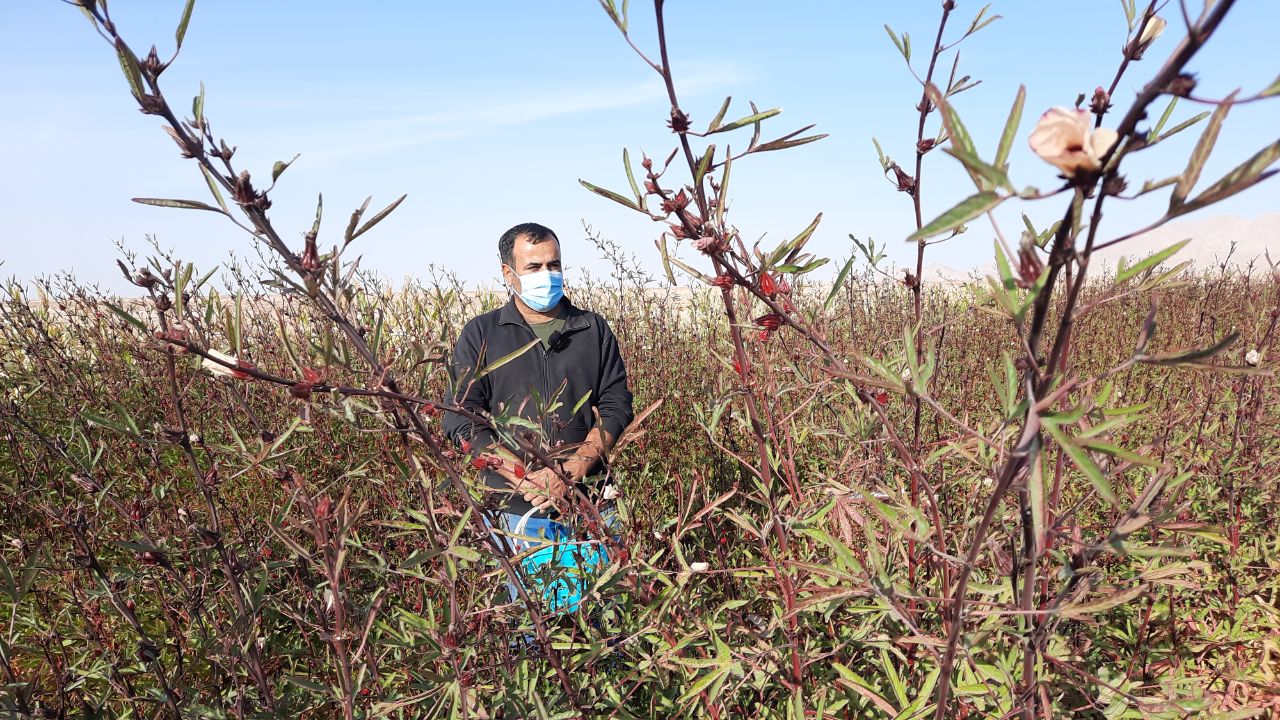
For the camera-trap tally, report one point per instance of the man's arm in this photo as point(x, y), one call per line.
point(469, 393)
point(613, 404)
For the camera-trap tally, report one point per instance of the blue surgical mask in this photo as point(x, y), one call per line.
point(542, 290)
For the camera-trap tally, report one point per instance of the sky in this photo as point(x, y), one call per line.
point(488, 114)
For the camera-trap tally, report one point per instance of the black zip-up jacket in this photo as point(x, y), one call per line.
point(584, 357)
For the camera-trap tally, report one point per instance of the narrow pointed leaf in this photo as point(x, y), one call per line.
point(715, 121)
point(748, 120)
point(967, 209)
point(1124, 271)
point(1243, 176)
point(783, 144)
point(279, 167)
point(610, 194)
point(184, 204)
point(184, 22)
point(897, 42)
point(1200, 154)
point(507, 358)
point(631, 177)
point(382, 214)
point(1191, 356)
point(129, 65)
point(1114, 600)
point(960, 139)
point(1010, 129)
point(123, 315)
point(704, 164)
point(1080, 457)
point(838, 284)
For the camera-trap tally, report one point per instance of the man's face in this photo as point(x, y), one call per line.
point(528, 257)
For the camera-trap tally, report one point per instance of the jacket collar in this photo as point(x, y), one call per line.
point(574, 317)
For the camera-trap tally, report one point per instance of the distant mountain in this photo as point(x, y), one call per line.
point(1211, 242)
point(1211, 245)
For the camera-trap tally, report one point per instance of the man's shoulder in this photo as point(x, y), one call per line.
point(592, 317)
point(483, 321)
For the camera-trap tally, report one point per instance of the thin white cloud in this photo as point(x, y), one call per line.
point(413, 129)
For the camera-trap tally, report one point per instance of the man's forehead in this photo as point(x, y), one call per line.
point(526, 251)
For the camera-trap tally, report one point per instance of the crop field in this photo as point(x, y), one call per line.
point(1052, 492)
point(176, 536)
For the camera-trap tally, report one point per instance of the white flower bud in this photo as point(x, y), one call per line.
point(698, 566)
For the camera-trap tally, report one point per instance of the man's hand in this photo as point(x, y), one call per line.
point(541, 488)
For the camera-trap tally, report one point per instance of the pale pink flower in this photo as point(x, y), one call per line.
point(1067, 140)
point(222, 370)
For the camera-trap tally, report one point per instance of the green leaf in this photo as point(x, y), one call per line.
point(1124, 271)
point(382, 214)
point(507, 358)
point(129, 65)
point(186, 20)
point(851, 680)
point(748, 120)
point(306, 684)
point(1272, 89)
point(126, 316)
point(279, 167)
point(897, 43)
point(715, 121)
point(1200, 154)
point(1183, 125)
point(184, 204)
point(786, 142)
point(610, 194)
point(979, 21)
point(792, 249)
point(103, 421)
point(213, 188)
point(315, 226)
point(1039, 504)
point(1243, 176)
point(197, 107)
point(462, 552)
point(1118, 452)
point(631, 178)
point(1114, 600)
point(1191, 356)
point(967, 209)
point(884, 160)
point(985, 176)
point(1010, 129)
point(704, 164)
point(1081, 458)
point(838, 284)
point(960, 139)
point(1154, 133)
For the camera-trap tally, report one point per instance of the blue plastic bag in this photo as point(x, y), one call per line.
point(560, 570)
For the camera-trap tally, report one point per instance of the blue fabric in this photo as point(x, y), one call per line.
point(560, 568)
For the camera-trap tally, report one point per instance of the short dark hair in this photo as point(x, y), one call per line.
point(507, 243)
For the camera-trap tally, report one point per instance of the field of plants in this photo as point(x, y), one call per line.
point(1050, 494)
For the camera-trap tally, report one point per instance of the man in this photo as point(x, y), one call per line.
point(575, 370)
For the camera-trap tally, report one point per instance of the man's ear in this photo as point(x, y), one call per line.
point(510, 277)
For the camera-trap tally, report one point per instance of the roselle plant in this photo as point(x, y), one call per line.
point(883, 497)
point(1056, 424)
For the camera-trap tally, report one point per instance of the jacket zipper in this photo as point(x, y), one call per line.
point(546, 390)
